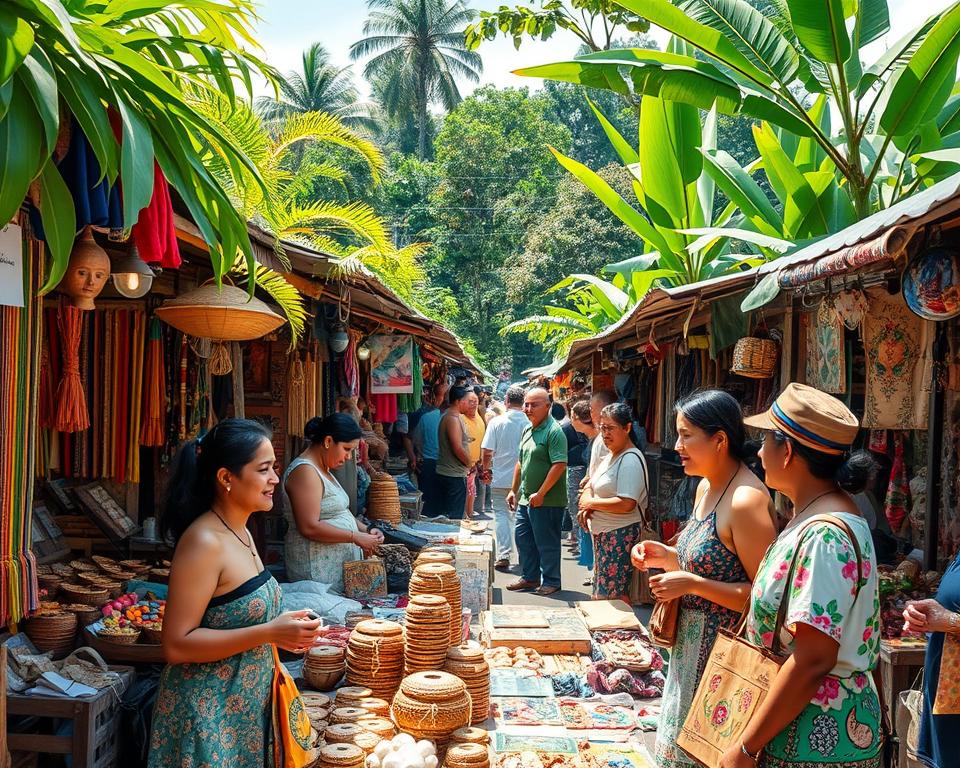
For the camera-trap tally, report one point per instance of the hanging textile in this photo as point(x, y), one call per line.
point(899, 364)
point(350, 370)
point(71, 413)
point(728, 323)
point(897, 503)
point(153, 430)
point(410, 402)
point(20, 342)
point(826, 366)
point(851, 308)
point(296, 397)
point(155, 234)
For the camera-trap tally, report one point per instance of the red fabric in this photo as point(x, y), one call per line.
point(385, 407)
point(154, 233)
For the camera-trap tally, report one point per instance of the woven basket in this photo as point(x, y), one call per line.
point(54, 631)
point(86, 614)
point(118, 637)
point(88, 594)
point(151, 635)
point(755, 358)
point(323, 681)
point(50, 582)
point(225, 313)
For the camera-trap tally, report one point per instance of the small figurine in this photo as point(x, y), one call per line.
point(87, 272)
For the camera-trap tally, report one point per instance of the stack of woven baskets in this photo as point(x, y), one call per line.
point(375, 657)
point(428, 556)
point(323, 666)
point(351, 733)
point(317, 707)
point(383, 499)
point(340, 756)
point(468, 663)
point(440, 579)
point(431, 705)
point(467, 756)
point(427, 630)
point(52, 630)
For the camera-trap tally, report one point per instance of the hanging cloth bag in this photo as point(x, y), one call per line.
point(738, 675)
point(291, 726)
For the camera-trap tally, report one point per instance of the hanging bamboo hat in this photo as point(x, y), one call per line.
point(225, 313)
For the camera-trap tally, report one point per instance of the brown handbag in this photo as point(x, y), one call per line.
point(738, 675)
point(664, 621)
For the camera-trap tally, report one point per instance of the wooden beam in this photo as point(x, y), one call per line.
point(931, 524)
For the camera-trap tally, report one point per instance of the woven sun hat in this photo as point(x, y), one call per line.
point(812, 418)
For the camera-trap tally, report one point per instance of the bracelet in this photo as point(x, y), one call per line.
point(746, 752)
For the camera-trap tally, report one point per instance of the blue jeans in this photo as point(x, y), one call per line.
point(427, 482)
point(538, 543)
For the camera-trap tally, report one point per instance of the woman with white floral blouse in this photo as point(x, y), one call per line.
point(823, 707)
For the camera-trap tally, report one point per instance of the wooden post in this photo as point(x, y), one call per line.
point(931, 524)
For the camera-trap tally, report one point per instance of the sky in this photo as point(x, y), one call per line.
point(289, 26)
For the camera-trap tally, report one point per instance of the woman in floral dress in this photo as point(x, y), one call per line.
point(716, 555)
point(822, 709)
point(223, 607)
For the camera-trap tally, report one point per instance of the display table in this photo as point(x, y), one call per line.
point(93, 743)
point(901, 661)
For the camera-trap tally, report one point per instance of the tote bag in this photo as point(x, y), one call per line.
point(738, 676)
point(291, 726)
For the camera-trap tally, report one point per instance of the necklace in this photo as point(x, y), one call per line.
point(807, 506)
point(236, 535)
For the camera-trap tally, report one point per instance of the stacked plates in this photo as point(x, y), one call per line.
point(381, 726)
point(383, 499)
point(340, 756)
point(375, 706)
point(427, 630)
point(427, 556)
point(470, 735)
point(440, 579)
point(468, 756)
point(468, 663)
point(342, 733)
point(431, 705)
point(317, 707)
point(347, 715)
point(375, 657)
point(352, 695)
point(323, 666)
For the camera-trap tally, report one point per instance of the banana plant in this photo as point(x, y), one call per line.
point(751, 64)
point(134, 60)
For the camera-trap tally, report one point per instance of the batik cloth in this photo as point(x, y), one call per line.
point(826, 363)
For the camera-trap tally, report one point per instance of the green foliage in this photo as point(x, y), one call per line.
point(758, 65)
point(595, 22)
point(416, 52)
point(143, 60)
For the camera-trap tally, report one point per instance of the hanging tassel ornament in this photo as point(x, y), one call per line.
point(72, 413)
point(219, 362)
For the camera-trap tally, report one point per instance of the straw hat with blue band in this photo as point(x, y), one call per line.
point(812, 418)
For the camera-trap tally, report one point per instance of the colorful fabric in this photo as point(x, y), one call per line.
point(826, 367)
point(899, 365)
point(155, 233)
point(612, 571)
point(699, 551)
point(897, 503)
point(384, 407)
point(218, 713)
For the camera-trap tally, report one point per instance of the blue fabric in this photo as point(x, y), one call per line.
point(451, 498)
point(538, 543)
point(429, 425)
point(939, 734)
point(586, 548)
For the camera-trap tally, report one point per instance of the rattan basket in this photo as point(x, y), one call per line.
point(54, 631)
point(86, 614)
point(125, 636)
point(89, 594)
point(755, 358)
point(151, 635)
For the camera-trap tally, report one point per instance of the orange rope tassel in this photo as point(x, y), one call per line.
point(72, 413)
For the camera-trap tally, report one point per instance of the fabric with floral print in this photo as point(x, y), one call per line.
point(841, 724)
point(612, 571)
point(218, 713)
point(699, 551)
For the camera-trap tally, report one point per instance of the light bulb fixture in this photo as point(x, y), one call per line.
point(132, 276)
point(338, 339)
point(363, 352)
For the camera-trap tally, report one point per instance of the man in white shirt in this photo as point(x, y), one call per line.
point(501, 451)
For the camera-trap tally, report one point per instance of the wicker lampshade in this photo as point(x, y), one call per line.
point(225, 313)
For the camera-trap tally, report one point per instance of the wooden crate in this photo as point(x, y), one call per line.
point(94, 742)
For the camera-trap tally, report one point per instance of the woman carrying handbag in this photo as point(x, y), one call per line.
point(821, 708)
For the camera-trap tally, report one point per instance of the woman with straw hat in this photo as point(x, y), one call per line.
point(822, 708)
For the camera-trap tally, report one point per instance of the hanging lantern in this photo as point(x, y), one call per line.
point(226, 313)
point(132, 276)
point(363, 352)
point(338, 338)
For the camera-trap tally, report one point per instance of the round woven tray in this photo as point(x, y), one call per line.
point(467, 756)
point(381, 726)
point(83, 565)
point(375, 706)
point(379, 628)
point(85, 593)
point(342, 733)
point(347, 714)
point(426, 557)
point(342, 756)
point(470, 735)
point(350, 695)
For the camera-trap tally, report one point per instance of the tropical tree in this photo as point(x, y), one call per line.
point(595, 22)
point(417, 48)
point(320, 87)
point(135, 61)
point(752, 64)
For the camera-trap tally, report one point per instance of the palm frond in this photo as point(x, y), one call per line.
point(325, 128)
point(283, 293)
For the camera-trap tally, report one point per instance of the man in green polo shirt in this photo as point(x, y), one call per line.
point(539, 495)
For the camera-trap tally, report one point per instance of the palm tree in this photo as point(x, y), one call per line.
point(418, 47)
point(320, 87)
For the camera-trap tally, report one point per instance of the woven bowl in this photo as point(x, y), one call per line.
point(323, 681)
point(53, 631)
point(88, 594)
point(86, 614)
point(433, 687)
point(151, 635)
point(430, 720)
point(127, 636)
point(470, 735)
point(83, 565)
point(350, 695)
point(465, 755)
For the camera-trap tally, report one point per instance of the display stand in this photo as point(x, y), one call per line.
point(94, 740)
point(900, 664)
